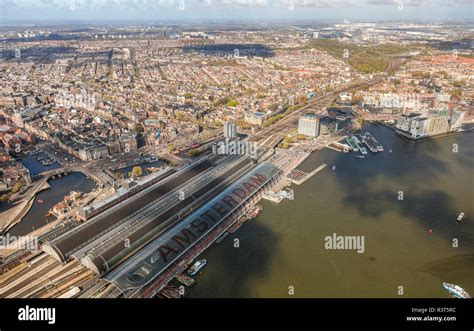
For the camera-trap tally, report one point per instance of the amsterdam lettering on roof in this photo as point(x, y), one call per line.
point(210, 217)
point(166, 249)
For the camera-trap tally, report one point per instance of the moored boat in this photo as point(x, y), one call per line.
point(196, 267)
point(456, 290)
point(254, 212)
point(222, 237)
point(185, 280)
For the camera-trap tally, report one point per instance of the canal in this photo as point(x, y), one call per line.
point(46, 199)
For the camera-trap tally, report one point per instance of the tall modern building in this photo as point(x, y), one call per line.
point(308, 125)
point(419, 126)
point(436, 122)
point(438, 125)
point(457, 118)
point(327, 125)
point(230, 130)
point(404, 121)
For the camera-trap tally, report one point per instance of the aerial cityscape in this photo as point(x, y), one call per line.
point(236, 149)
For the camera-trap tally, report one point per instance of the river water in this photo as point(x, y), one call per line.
point(60, 187)
point(408, 242)
point(35, 166)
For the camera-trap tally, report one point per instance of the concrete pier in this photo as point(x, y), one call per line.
point(298, 177)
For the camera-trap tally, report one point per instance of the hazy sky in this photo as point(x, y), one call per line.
point(64, 10)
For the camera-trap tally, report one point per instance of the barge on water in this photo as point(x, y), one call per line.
point(222, 237)
point(254, 212)
point(352, 144)
point(359, 145)
point(185, 280)
point(367, 140)
point(170, 292)
point(379, 146)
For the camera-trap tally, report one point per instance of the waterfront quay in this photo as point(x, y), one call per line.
point(133, 243)
point(140, 216)
point(285, 244)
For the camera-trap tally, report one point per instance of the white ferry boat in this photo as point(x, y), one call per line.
point(457, 291)
point(196, 267)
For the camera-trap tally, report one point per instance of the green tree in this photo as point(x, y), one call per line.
point(179, 116)
point(5, 197)
point(16, 187)
point(137, 171)
point(242, 124)
point(301, 137)
point(232, 103)
point(289, 140)
point(138, 128)
point(194, 152)
point(456, 93)
point(118, 175)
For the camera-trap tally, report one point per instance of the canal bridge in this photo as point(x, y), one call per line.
point(99, 177)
